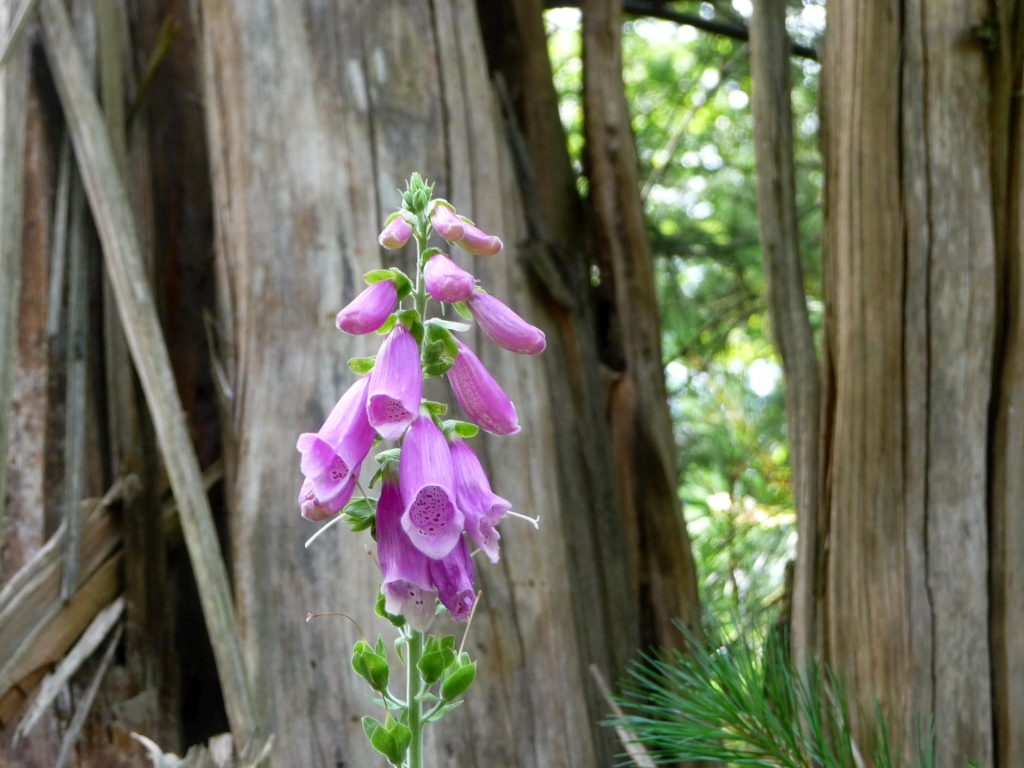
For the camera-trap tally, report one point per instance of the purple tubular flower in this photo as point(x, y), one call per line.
point(447, 224)
point(407, 587)
point(479, 394)
point(478, 242)
point(316, 509)
point(480, 506)
point(395, 234)
point(507, 329)
point(453, 577)
point(332, 457)
point(370, 309)
point(431, 519)
point(396, 384)
point(446, 280)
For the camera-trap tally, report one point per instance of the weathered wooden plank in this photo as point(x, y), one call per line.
point(13, 91)
point(123, 252)
point(82, 650)
point(77, 370)
point(787, 302)
point(85, 703)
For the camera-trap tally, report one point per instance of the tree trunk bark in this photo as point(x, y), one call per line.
point(921, 419)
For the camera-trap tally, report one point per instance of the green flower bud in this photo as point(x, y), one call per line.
point(371, 666)
point(458, 681)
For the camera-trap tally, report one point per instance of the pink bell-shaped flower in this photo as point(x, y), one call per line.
point(478, 242)
point(370, 309)
point(453, 577)
point(447, 224)
point(480, 396)
point(507, 329)
point(396, 234)
point(396, 386)
point(446, 280)
point(317, 509)
point(332, 456)
point(431, 518)
point(407, 587)
point(481, 507)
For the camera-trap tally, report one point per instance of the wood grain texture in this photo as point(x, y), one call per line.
point(664, 574)
point(13, 92)
point(123, 252)
point(912, 255)
point(332, 106)
point(772, 111)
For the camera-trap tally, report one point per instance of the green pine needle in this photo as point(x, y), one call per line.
point(741, 702)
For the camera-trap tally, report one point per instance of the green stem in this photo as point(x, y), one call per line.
point(415, 645)
point(421, 233)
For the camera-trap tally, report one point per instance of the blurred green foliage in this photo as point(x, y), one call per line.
point(689, 95)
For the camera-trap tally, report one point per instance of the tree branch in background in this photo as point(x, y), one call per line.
point(658, 10)
point(787, 302)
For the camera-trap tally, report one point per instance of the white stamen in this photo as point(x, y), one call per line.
point(534, 521)
point(310, 540)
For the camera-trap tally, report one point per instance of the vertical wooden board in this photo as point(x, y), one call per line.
point(25, 460)
point(961, 316)
point(13, 91)
point(303, 105)
point(866, 572)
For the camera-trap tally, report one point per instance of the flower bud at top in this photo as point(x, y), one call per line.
point(480, 506)
point(480, 396)
point(447, 224)
point(396, 234)
point(478, 242)
point(408, 590)
point(370, 309)
point(396, 385)
point(331, 457)
point(507, 329)
point(446, 280)
point(453, 576)
point(431, 519)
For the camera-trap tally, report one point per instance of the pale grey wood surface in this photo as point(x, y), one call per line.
point(317, 112)
point(124, 262)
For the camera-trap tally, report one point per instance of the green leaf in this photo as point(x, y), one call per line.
point(391, 454)
point(432, 351)
point(410, 318)
point(463, 309)
point(381, 649)
point(384, 741)
point(431, 252)
point(385, 329)
point(439, 367)
point(378, 276)
point(402, 283)
point(439, 334)
point(362, 365)
point(438, 409)
point(361, 513)
point(403, 738)
point(463, 429)
point(379, 609)
point(450, 325)
point(441, 711)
